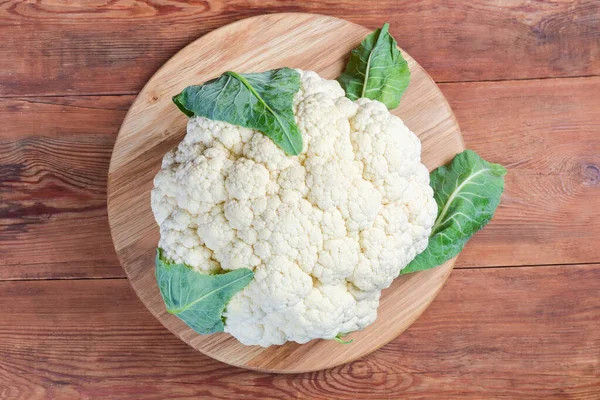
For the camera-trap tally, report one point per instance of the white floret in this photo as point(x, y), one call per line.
point(214, 229)
point(247, 180)
point(336, 261)
point(278, 284)
point(202, 181)
point(324, 232)
point(364, 203)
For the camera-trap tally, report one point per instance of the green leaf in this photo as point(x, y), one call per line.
point(198, 299)
point(467, 193)
point(261, 101)
point(376, 70)
point(339, 336)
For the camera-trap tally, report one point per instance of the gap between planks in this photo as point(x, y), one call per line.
point(135, 93)
point(103, 278)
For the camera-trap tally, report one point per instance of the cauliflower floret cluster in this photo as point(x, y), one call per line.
point(324, 232)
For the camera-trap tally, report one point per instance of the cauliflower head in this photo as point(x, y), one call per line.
point(324, 232)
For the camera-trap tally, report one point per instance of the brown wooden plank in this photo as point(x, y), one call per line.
point(71, 47)
point(492, 333)
point(547, 134)
point(54, 155)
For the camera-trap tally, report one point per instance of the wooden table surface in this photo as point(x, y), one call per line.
point(518, 318)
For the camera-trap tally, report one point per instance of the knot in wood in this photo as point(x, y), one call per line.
point(591, 175)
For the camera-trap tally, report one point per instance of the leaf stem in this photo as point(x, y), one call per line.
point(206, 295)
point(255, 93)
point(453, 195)
point(382, 33)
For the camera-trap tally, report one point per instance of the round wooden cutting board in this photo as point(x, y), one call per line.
point(154, 125)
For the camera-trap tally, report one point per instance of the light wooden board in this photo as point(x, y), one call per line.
point(153, 126)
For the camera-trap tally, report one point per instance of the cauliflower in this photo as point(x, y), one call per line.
point(323, 232)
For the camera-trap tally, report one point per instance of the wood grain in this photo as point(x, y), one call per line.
point(518, 333)
point(100, 47)
point(54, 156)
point(153, 125)
point(547, 134)
point(491, 333)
